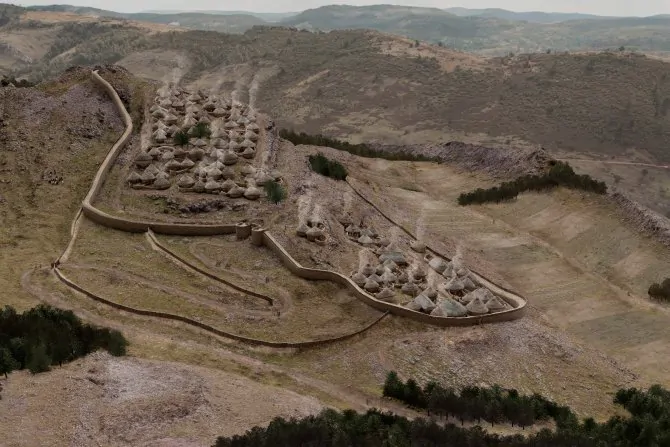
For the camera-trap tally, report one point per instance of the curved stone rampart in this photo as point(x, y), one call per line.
point(329, 275)
point(167, 316)
point(130, 225)
point(194, 267)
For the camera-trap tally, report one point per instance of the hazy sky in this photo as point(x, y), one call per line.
point(601, 7)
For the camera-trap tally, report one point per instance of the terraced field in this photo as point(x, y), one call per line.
point(570, 254)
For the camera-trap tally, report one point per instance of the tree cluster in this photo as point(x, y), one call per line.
point(660, 291)
point(45, 336)
point(330, 168)
point(559, 174)
point(361, 150)
point(6, 80)
point(274, 191)
point(474, 403)
point(649, 425)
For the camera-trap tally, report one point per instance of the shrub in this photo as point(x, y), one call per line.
point(180, 138)
point(361, 150)
point(559, 174)
point(660, 291)
point(275, 192)
point(330, 168)
point(44, 336)
point(202, 130)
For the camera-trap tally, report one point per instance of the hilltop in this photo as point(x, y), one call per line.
point(251, 330)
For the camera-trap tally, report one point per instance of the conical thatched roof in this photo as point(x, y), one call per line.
point(229, 158)
point(468, 297)
point(396, 256)
point(253, 127)
point(187, 163)
point(179, 153)
point(236, 192)
point(212, 186)
point(449, 308)
point(199, 143)
point(468, 284)
point(390, 265)
point(389, 277)
point(251, 136)
point(252, 193)
point(228, 185)
point(448, 272)
point(205, 120)
point(367, 270)
point(375, 277)
point(199, 186)
point(424, 303)
point(230, 124)
point(148, 177)
point(462, 272)
point(155, 153)
point(219, 112)
point(477, 307)
point(162, 183)
point(438, 264)
point(143, 160)
point(185, 181)
point(160, 135)
point(366, 240)
point(386, 294)
point(220, 143)
point(247, 169)
point(171, 119)
point(214, 173)
point(380, 269)
point(134, 178)
point(359, 279)
point(173, 165)
point(495, 304)
point(419, 273)
point(249, 153)
point(196, 154)
point(418, 246)
point(152, 169)
point(371, 286)
point(209, 105)
point(262, 178)
point(410, 288)
point(227, 173)
point(188, 122)
point(383, 242)
point(159, 124)
point(455, 285)
point(162, 175)
point(413, 305)
point(430, 293)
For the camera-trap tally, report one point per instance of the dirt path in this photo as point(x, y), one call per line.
point(625, 163)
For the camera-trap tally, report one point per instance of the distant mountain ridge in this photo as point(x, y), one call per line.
point(526, 16)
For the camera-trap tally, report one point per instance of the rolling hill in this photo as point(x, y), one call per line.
point(492, 32)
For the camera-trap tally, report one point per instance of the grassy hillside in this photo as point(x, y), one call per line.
point(228, 23)
point(376, 87)
point(495, 32)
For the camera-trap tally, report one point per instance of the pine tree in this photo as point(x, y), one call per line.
point(7, 362)
point(38, 360)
